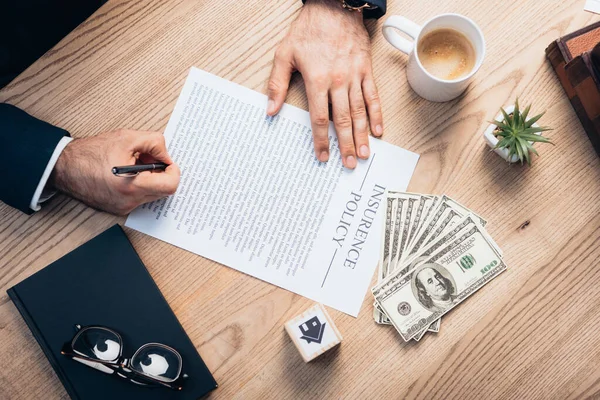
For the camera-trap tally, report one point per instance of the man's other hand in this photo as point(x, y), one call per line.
point(330, 47)
point(84, 170)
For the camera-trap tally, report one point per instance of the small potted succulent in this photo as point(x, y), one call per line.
point(512, 134)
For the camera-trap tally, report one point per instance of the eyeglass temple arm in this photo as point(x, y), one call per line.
point(66, 349)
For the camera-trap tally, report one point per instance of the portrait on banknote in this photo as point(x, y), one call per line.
point(434, 287)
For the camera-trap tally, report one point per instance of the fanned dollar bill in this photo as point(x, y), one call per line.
point(447, 272)
point(417, 227)
point(384, 257)
point(396, 231)
point(421, 211)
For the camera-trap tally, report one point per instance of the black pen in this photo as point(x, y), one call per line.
point(133, 170)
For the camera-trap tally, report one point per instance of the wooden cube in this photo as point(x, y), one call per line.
point(313, 332)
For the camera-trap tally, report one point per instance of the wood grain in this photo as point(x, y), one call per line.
point(532, 333)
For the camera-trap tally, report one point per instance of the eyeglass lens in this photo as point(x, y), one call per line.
point(159, 362)
point(98, 344)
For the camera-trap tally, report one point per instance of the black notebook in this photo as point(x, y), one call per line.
point(104, 282)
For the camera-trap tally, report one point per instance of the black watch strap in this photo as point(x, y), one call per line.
point(378, 10)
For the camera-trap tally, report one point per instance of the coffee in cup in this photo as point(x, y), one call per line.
point(446, 54)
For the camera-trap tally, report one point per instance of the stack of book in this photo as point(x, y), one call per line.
point(576, 60)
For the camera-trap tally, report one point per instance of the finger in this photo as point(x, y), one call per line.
point(152, 144)
point(159, 183)
point(371, 96)
point(146, 159)
point(279, 81)
point(343, 125)
point(359, 121)
point(318, 107)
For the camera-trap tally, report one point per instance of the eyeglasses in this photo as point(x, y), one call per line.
point(153, 364)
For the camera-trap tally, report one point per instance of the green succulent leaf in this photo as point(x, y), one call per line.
point(507, 118)
point(503, 134)
point(525, 146)
point(519, 152)
point(533, 120)
point(516, 133)
point(500, 125)
point(535, 138)
point(525, 113)
point(504, 142)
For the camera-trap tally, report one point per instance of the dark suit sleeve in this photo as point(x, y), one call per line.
point(27, 144)
point(378, 12)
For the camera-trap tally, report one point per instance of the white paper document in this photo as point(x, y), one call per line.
point(254, 197)
point(592, 6)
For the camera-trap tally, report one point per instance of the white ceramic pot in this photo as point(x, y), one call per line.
point(492, 140)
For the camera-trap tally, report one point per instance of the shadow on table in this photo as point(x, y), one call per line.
point(509, 179)
point(312, 376)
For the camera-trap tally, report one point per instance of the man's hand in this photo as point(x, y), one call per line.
point(84, 170)
point(330, 47)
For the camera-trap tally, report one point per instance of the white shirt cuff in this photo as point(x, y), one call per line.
point(40, 195)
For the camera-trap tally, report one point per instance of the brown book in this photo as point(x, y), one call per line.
point(582, 76)
point(575, 72)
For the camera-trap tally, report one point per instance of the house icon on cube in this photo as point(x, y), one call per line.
point(312, 330)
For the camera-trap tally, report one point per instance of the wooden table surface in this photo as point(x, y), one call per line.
point(531, 333)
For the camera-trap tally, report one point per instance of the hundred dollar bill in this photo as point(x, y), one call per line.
point(422, 222)
point(402, 227)
point(421, 216)
point(448, 213)
point(398, 213)
point(449, 234)
point(381, 318)
point(416, 215)
point(420, 335)
point(401, 208)
point(453, 214)
point(384, 257)
point(397, 205)
point(378, 312)
point(435, 326)
point(406, 204)
point(436, 282)
point(467, 223)
point(462, 209)
point(384, 253)
point(413, 204)
point(410, 205)
point(446, 225)
point(438, 219)
point(379, 315)
point(401, 218)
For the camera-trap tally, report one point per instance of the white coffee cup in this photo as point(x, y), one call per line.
point(422, 82)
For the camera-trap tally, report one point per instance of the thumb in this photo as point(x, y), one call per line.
point(279, 81)
point(159, 184)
